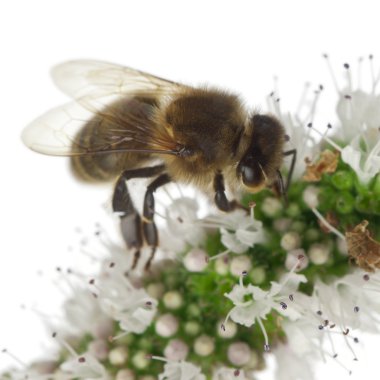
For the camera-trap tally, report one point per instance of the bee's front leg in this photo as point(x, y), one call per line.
point(220, 198)
point(149, 227)
point(130, 220)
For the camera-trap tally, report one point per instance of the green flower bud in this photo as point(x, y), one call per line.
point(342, 180)
point(345, 203)
point(363, 204)
point(327, 198)
point(293, 210)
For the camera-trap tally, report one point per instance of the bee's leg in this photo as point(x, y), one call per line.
point(292, 152)
point(149, 227)
point(130, 220)
point(220, 198)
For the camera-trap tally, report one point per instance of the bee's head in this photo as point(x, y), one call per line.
point(260, 164)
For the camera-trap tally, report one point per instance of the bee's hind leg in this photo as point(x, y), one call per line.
point(122, 204)
point(149, 227)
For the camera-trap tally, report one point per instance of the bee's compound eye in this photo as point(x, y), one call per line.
point(248, 175)
point(251, 175)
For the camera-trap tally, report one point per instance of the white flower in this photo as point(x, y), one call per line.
point(299, 136)
point(252, 304)
point(289, 365)
point(357, 109)
point(363, 156)
point(85, 367)
point(182, 222)
point(133, 308)
point(239, 230)
point(359, 114)
point(180, 370)
point(83, 313)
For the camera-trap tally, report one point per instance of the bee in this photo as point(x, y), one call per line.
point(124, 124)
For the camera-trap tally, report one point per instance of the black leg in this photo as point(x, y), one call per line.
point(149, 227)
point(130, 220)
point(280, 187)
point(292, 152)
point(220, 198)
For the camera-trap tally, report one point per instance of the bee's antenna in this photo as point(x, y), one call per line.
point(282, 188)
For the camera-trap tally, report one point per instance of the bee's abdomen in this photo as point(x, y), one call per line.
point(100, 168)
point(100, 133)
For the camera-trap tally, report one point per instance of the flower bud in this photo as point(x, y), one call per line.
point(195, 260)
point(291, 240)
point(192, 328)
point(166, 325)
point(292, 258)
point(257, 275)
point(240, 264)
point(155, 290)
point(239, 353)
point(204, 345)
point(271, 206)
point(140, 360)
point(318, 254)
point(176, 350)
point(98, 348)
point(125, 374)
point(221, 266)
point(172, 300)
point(226, 329)
point(118, 356)
point(310, 196)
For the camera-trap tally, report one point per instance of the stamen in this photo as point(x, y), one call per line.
point(266, 345)
point(349, 79)
point(374, 81)
point(14, 357)
point(331, 142)
point(360, 61)
point(217, 256)
point(65, 344)
point(116, 337)
point(326, 57)
point(160, 358)
point(327, 224)
point(302, 100)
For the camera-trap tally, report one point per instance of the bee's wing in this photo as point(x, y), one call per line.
point(89, 77)
point(64, 131)
point(97, 88)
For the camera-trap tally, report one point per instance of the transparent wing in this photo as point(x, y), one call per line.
point(106, 116)
point(88, 77)
point(122, 126)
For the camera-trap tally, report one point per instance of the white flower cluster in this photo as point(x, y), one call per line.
point(359, 115)
point(313, 323)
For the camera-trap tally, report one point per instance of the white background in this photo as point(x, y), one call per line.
point(236, 44)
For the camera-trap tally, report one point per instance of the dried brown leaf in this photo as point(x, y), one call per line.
point(326, 163)
point(362, 248)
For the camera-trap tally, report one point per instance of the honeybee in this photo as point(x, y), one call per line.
point(124, 123)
